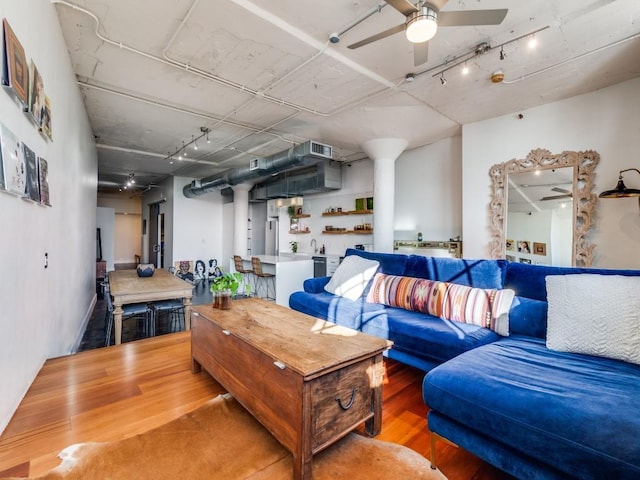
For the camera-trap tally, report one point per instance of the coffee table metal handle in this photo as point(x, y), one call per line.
point(351, 400)
point(279, 364)
point(226, 332)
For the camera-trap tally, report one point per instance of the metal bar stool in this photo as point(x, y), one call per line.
point(246, 272)
point(263, 278)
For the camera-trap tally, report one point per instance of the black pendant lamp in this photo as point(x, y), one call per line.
point(621, 189)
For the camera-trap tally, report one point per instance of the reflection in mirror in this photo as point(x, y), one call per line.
point(530, 199)
point(539, 216)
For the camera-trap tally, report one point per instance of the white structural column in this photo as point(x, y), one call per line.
point(240, 217)
point(383, 152)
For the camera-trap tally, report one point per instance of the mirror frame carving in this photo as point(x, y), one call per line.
point(584, 200)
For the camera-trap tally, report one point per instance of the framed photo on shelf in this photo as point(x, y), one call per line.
point(539, 248)
point(43, 176)
point(36, 95)
point(525, 260)
point(511, 258)
point(510, 244)
point(32, 190)
point(15, 170)
point(15, 64)
point(45, 124)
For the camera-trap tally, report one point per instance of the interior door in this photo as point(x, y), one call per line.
point(154, 244)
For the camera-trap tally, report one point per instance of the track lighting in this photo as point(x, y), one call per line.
point(533, 42)
point(182, 152)
point(443, 81)
point(502, 54)
point(465, 69)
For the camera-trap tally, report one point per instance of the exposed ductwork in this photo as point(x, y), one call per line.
point(305, 154)
point(322, 177)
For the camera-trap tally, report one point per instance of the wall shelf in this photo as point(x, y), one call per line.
point(345, 232)
point(350, 212)
point(298, 232)
point(301, 215)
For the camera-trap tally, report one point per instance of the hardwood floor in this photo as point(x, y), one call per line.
point(116, 392)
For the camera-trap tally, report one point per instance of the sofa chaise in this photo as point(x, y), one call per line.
point(554, 394)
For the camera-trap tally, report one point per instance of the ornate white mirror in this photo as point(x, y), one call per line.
point(533, 225)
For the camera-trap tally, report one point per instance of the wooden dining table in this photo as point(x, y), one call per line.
point(127, 287)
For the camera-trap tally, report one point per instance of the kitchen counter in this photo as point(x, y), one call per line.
point(291, 271)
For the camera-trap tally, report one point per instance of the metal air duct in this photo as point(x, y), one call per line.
point(305, 154)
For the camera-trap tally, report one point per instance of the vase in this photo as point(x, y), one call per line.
point(224, 299)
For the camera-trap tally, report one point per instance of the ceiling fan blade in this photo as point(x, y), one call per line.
point(378, 36)
point(466, 18)
point(420, 53)
point(561, 190)
point(555, 197)
point(403, 6)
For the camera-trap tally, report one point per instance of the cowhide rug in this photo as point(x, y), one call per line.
point(222, 441)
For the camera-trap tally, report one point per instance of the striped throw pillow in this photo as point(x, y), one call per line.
point(487, 308)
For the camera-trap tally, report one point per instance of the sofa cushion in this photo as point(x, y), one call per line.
point(327, 306)
point(391, 263)
point(394, 290)
point(487, 308)
point(595, 315)
point(352, 276)
point(473, 273)
point(422, 335)
point(528, 317)
point(530, 280)
point(576, 412)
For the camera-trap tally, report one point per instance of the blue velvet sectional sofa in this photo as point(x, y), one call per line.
point(533, 412)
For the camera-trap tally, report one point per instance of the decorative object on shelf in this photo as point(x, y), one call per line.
point(294, 246)
point(419, 236)
point(369, 203)
point(225, 287)
point(291, 210)
point(360, 203)
point(145, 269)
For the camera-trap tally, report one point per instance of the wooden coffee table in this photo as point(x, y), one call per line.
point(309, 382)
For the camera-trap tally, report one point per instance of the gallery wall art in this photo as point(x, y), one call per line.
point(23, 172)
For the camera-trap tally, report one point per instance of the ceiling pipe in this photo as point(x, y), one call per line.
point(305, 154)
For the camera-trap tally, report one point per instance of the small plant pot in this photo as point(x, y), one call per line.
point(224, 299)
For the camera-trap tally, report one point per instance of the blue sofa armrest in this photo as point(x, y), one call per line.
point(315, 285)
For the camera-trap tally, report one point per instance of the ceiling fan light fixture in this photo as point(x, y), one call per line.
point(422, 25)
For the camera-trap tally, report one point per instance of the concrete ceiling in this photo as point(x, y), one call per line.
point(261, 75)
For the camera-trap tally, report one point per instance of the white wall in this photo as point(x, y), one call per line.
point(45, 310)
point(427, 192)
point(106, 222)
point(128, 237)
point(607, 121)
point(197, 225)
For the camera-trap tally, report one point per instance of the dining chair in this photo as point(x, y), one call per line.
point(139, 311)
point(246, 272)
point(174, 310)
point(263, 279)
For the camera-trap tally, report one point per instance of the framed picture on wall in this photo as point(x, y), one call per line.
point(539, 248)
point(15, 64)
point(524, 246)
point(510, 244)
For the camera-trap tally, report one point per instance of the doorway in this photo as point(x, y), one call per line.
point(156, 235)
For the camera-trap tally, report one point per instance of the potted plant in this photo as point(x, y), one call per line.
point(294, 246)
point(226, 286)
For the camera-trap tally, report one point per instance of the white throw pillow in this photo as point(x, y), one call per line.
point(594, 314)
point(352, 276)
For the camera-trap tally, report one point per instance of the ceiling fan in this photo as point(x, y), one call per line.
point(422, 21)
point(564, 193)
